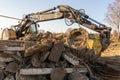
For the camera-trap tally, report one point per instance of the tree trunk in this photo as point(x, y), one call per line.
point(118, 34)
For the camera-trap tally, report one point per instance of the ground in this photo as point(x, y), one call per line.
point(111, 55)
point(109, 67)
point(112, 50)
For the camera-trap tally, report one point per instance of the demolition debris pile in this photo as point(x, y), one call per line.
point(51, 56)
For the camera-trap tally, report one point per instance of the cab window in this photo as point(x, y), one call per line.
point(33, 28)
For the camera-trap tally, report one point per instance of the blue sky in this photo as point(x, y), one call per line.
point(96, 9)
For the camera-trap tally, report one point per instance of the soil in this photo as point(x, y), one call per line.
point(112, 50)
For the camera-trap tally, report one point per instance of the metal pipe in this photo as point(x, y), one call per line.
point(96, 22)
point(10, 17)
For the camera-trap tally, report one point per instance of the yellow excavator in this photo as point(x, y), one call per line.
point(14, 44)
point(28, 25)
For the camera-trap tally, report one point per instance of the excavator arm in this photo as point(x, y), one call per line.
point(69, 14)
point(63, 12)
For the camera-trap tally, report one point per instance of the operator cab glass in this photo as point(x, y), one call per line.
point(33, 28)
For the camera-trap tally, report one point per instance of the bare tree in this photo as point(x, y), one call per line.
point(114, 35)
point(113, 15)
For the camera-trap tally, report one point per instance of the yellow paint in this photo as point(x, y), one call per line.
point(95, 43)
point(90, 44)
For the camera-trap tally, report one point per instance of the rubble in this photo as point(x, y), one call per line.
point(78, 76)
point(58, 74)
point(48, 57)
point(1, 75)
point(12, 67)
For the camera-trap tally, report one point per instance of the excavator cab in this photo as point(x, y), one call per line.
point(33, 28)
point(25, 30)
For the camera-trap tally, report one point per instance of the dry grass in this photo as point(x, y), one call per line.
point(112, 50)
point(111, 63)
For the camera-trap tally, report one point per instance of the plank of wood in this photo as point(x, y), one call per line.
point(40, 71)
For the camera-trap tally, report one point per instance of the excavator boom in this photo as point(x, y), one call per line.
point(63, 12)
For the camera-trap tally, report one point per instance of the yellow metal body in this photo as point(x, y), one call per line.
point(95, 43)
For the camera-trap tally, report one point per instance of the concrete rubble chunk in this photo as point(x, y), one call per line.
point(29, 77)
point(37, 48)
point(4, 59)
point(1, 75)
point(12, 67)
point(56, 51)
point(36, 60)
point(71, 58)
point(77, 76)
point(40, 71)
point(9, 77)
point(18, 58)
point(58, 74)
point(44, 56)
point(2, 65)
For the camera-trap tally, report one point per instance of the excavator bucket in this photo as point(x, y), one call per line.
point(8, 34)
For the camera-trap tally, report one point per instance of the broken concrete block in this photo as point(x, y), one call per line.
point(12, 67)
point(9, 77)
point(44, 56)
point(4, 59)
point(56, 52)
point(40, 71)
point(58, 74)
point(77, 76)
point(37, 48)
point(36, 60)
point(18, 58)
point(2, 65)
point(29, 77)
point(1, 75)
point(71, 58)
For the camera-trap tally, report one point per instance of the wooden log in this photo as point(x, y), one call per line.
point(39, 71)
